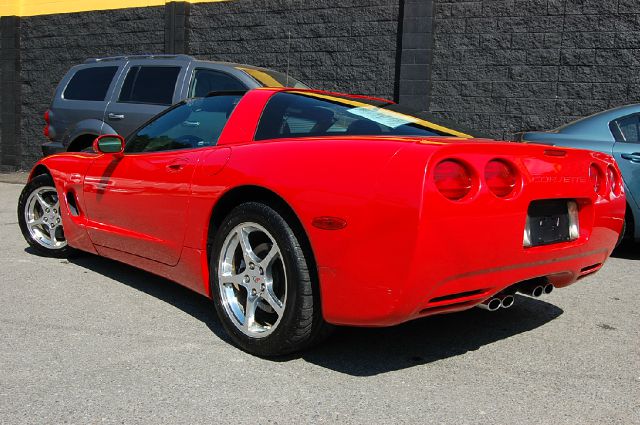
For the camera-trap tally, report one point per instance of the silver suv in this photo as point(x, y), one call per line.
point(116, 95)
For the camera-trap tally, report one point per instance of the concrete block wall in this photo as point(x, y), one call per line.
point(10, 104)
point(333, 45)
point(504, 66)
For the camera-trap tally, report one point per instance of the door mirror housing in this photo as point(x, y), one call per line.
point(109, 144)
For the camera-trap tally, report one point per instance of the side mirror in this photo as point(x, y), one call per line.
point(109, 143)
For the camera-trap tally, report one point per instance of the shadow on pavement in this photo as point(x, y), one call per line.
point(358, 351)
point(627, 251)
point(196, 305)
point(371, 351)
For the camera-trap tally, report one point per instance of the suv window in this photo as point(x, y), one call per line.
point(150, 84)
point(90, 83)
point(300, 114)
point(206, 81)
point(626, 129)
point(193, 123)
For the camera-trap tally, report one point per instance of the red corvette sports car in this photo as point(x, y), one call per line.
point(297, 209)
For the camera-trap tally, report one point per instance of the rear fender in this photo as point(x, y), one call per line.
point(90, 126)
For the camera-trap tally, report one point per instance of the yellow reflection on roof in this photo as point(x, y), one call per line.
point(262, 77)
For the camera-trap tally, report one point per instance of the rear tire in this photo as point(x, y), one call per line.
point(262, 287)
point(627, 234)
point(40, 220)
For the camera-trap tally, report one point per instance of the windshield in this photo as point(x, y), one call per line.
point(310, 114)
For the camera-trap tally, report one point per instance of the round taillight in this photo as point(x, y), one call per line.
point(501, 178)
point(453, 179)
point(46, 116)
point(614, 181)
point(596, 178)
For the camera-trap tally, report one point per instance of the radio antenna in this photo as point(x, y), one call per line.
point(288, 53)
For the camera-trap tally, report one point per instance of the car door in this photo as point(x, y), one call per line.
point(138, 202)
point(144, 90)
point(626, 151)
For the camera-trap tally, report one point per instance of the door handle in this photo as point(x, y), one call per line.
point(177, 165)
point(113, 116)
point(633, 157)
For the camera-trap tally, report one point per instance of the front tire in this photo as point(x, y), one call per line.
point(40, 219)
point(261, 283)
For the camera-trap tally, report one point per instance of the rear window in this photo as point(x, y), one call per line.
point(309, 114)
point(150, 84)
point(90, 83)
point(206, 81)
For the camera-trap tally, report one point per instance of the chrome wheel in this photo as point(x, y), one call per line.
point(252, 280)
point(42, 217)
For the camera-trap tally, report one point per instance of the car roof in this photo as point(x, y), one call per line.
point(184, 58)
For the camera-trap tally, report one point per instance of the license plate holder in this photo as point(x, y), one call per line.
point(550, 221)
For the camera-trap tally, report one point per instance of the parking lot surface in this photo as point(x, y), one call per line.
point(90, 340)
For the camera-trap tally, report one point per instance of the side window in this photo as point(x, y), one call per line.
point(150, 84)
point(626, 129)
point(194, 123)
point(206, 81)
point(90, 83)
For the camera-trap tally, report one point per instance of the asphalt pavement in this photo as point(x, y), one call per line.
point(90, 340)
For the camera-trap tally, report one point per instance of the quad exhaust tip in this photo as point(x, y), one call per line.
point(492, 304)
point(507, 301)
point(537, 291)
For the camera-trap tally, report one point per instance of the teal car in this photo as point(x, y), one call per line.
point(616, 132)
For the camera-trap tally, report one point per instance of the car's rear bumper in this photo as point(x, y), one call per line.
point(444, 284)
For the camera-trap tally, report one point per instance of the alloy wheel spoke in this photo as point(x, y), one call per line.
point(236, 279)
point(52, 234)
point(271, 256)
point(250, 311)
point(35, 222)
point(44, 204)
point(247, 250)
point(270, 297)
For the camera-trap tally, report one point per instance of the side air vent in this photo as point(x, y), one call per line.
point(73, 204)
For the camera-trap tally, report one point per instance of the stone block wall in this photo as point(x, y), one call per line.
point(504, 66)
point(333, 45)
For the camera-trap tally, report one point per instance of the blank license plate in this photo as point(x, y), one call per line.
point(549, 222)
